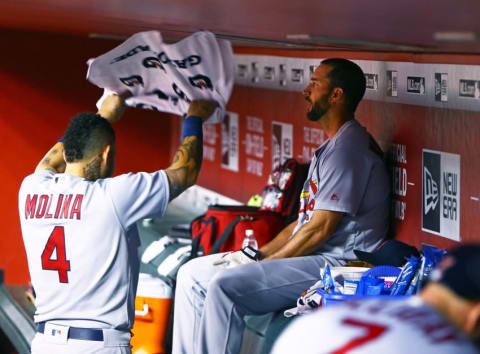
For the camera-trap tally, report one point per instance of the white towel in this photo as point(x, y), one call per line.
point(166, 77)
point(309, 300)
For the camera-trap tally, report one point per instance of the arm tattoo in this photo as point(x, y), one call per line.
point(53, 161)
point(185, 167)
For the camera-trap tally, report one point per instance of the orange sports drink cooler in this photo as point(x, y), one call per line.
point(152, 311)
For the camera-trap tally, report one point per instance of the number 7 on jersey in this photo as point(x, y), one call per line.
point(61, 264)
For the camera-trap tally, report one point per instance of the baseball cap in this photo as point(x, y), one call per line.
point(460, 271)
point(391, 252)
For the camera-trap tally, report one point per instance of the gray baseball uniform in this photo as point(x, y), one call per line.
point(81, 242)
point(374, 326)
point(345, 175)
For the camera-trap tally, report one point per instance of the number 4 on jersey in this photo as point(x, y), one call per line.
point(61, 264)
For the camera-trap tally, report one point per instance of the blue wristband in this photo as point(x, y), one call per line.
point(192, 126)
point(60, 140)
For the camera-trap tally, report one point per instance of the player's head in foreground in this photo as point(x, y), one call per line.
point(89, 146)
point(336, 86)
point(454, 289)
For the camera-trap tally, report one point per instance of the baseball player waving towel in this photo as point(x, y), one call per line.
point(80, 234)
point(167, 77)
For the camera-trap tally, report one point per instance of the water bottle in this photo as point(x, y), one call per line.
point(249, 240)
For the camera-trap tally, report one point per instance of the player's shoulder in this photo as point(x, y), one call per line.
point(352, 136)
point(135, 182)
point(41, 174)
point(343, 155)
point(37, 177)
point(130, 177)
point(354, 146)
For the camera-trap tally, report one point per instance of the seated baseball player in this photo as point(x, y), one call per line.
point(344, 206)
point(80, 234)
point(439, 320)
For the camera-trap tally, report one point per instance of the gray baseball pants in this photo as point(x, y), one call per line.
point(210, 301)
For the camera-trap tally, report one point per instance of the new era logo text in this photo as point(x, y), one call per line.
point(441, 194)
point(430, 191)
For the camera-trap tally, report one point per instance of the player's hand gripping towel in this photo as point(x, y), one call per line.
point(166, 77)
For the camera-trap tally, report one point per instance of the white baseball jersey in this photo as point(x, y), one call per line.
point(82, 244)
point(374, 326)
point(346, 175)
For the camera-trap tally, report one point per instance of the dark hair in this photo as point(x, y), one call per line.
point(458, 271)
point(348, 76)
point(86, 135)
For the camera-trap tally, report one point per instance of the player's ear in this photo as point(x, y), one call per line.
point(105, 152)
point(336, 95)
point(472, 324)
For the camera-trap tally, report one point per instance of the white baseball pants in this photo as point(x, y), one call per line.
point(210, 301)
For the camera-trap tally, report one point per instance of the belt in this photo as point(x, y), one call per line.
point(78, 333)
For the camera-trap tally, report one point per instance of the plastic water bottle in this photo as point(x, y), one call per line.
point(249, 240)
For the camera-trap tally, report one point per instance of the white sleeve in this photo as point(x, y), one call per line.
point(136, 196)
point(343, 179)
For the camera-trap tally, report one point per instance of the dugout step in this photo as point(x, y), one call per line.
point(15, 323)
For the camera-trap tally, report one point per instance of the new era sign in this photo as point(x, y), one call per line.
point(441, 194)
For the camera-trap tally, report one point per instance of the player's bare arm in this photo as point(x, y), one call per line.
point(186, 165)
point(53, 160)
point(310, 236)
point(113, 106)
point(184, 170)
point(278, 241)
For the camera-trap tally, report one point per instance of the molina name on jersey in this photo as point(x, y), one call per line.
point(57, 207)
